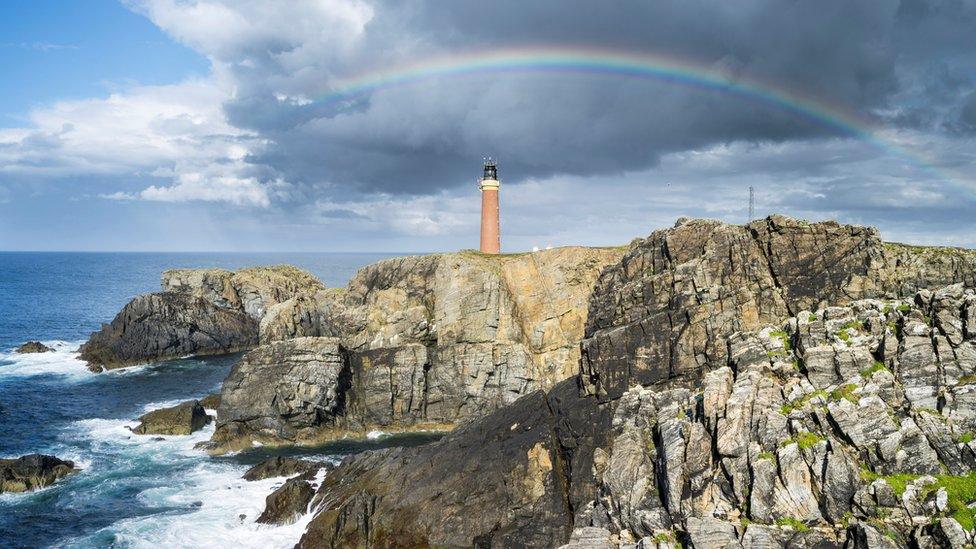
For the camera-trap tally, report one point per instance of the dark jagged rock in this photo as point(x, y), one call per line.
point(511, 479)
point(169, 325)
point(667, 308)
point(182, 419)
point(32, 472)
point(286, 504)
point(33, 347)
point(199, 312)
point(283, 467)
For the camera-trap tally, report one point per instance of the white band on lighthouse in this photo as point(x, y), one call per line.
point(489, 184)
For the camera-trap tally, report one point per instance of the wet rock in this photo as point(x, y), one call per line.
point(279, 466)
point(33, 347)
point(32, 472)
point(182, 419)
point(286, 504)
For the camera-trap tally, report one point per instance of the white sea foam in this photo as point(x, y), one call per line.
point(377, 434)
point(62, 361)
point(210, 494)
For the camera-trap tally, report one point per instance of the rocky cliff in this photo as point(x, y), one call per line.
point(667, 308)
point(781, 384)
point(415, 342)
point(199, 312)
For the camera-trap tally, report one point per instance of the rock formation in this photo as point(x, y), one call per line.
point(32, 472)
point(778, 385)
point(667, 308)
point(507, 480)
point(283, 467)
point(182, 419)
point(199, 312)
point(289, 502)
point(412, 343)
point(33, 347)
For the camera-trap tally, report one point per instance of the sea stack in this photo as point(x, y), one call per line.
point(490, 234)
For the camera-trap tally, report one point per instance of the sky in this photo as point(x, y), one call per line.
point(361, 125)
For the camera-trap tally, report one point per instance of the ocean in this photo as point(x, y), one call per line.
point(132, 491)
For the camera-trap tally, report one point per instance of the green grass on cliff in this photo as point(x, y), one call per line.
point(961, 491)
point(875, 368)
point(805, 440)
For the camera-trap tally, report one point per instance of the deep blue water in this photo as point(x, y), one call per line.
point(132, 491)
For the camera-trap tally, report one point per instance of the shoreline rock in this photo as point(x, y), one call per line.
point(182, 419)
point(279, 466)
point(32, 472)
point(32, 347)
point(199, 312)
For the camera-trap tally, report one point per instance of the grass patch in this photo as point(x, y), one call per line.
point(904, 308)
point(805, 440)
point(873, 369)
point(776, 354)
point(898, 482)
point(813, 318)
point(784, 337)
point(960, 489)
point(767, 455)
point(887, 309)
point(793, 523)
point(845, 392)
point(801, 402)
point(965, 438)
point(844, 332)
point(971, 378)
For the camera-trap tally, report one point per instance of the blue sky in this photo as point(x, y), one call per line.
point(195, 124)
point(53, 50)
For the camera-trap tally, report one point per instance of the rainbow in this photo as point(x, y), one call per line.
point(663, 68)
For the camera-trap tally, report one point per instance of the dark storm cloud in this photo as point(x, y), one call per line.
point(425, 137)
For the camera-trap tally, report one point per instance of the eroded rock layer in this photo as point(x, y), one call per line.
point(199, 312)
point(668, 306)
point(782, 384)
point(841, 425)
point(422, 342)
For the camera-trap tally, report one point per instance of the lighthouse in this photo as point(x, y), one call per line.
point(490, 237)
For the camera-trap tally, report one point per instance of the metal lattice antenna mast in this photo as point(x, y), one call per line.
point(752, 204)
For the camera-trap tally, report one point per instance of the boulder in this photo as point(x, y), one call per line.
point(279, 466)
point(33, 347)
point(283, 391)
point(289, 502)
point(32, 472)
point(169, 325)
point(182, 419)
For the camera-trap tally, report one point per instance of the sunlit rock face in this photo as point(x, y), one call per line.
point(430, 340)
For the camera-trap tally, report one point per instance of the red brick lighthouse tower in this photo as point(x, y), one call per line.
point(490, 237)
